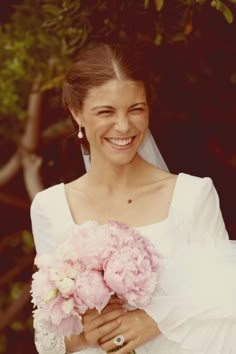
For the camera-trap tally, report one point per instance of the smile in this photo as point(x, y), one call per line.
point(120, 142)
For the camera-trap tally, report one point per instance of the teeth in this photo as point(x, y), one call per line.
point(120, 142)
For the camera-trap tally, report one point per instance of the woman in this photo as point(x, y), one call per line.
point(108, 95)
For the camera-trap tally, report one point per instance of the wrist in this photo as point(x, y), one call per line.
point(75, 343)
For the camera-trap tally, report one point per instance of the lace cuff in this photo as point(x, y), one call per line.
point(48, 343)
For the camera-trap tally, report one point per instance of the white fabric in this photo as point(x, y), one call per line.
point(47, 343)
point(148, 150)
point(151, 153)
point(195, 300)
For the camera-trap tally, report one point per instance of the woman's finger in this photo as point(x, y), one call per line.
point(109, 336)
point(92, 337)
point(110, 345)
point(127, 348)
point(103, 318)
point(89, 316)
point(111, 307)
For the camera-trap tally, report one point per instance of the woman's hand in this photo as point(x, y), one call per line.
point(96, 326)
point(136, 326)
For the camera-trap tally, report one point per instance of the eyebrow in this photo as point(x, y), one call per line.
point(110, 107)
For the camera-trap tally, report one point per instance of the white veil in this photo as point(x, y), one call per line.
point(148, 151)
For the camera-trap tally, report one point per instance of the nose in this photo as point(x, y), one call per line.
point(122, 124)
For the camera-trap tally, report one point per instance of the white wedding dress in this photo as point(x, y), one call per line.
point(195, 301)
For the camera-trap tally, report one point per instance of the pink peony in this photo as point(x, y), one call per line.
point(92, 263)
point(41, 287)
point(55, 317)
point(131, 270)
point(86, 244)
point(91, 290)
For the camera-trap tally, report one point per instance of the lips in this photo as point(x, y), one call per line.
point(121, 142)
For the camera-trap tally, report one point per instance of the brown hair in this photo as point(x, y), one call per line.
point(98, 64)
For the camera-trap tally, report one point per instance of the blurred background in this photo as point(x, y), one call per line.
point(192, 46)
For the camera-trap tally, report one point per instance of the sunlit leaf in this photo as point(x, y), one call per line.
point(16, 290)
point(17, 326)
point(224, 9)
point(233, 78)
point(146, 4)
point(228, 14)
point(179, 37)
point(52, 9)
point(159, 4)
point(27, 240)
point(53, 83)
point(158, 39)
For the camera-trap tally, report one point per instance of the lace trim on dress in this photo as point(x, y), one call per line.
point(48, 343)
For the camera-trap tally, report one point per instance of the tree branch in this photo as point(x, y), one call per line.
point(10, 169)
point(13, 200)
point(30, 139)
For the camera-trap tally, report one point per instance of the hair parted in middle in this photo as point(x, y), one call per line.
point(97, 64)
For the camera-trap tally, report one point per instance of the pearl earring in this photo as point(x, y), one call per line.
point(80, 133)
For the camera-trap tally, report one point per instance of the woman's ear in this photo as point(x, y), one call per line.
point(75, 116)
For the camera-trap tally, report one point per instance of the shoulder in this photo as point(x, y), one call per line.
point(48, 205)
point(50, 218)
point(195, 194)
point(190, 196)
point(47, 197)
point(193, 188)
point(199, 203)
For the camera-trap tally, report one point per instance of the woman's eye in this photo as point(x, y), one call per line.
point(137, 110)
point(105, 113)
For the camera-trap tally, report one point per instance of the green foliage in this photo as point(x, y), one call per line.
point(27, 242)
point(40, 30)
point(224, 9)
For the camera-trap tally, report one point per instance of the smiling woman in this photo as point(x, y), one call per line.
point(107, 92)
point(115, 118)
point(118, 91)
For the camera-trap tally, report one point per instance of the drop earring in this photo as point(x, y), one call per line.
point(80, 133)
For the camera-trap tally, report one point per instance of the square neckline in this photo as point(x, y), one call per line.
point(158, 223)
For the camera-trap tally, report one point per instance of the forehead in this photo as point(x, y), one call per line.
point(115, 92)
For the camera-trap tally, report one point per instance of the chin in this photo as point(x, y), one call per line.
point(122, 161)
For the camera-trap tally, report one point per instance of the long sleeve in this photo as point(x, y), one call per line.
point(195, 301)
point(44, 238)
point(41, 225)
point(50, 218)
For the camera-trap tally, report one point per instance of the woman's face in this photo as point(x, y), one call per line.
point(115, 117)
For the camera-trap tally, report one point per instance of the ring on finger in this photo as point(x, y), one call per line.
point(119, 340)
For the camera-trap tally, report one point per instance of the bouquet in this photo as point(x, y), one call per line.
point(93, 263)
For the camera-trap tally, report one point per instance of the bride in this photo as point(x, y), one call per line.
point(193, 309)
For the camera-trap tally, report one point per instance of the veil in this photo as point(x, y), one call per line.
point(148, 151)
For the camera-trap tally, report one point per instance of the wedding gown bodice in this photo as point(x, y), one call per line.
point(194, 222)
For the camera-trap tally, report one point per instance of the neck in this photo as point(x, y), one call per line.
point(115, 177)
